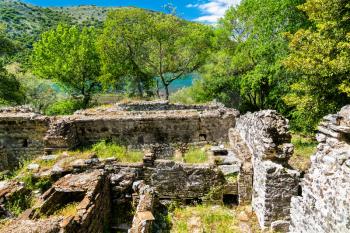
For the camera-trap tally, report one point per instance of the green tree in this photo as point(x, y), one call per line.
point(68, 55)
point(320, 56)
point(139, 46)
point(175, 48)
point(10, 89)
point(121, 48)
point(246, 68)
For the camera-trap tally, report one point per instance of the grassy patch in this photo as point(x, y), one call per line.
point(304, 147)
point(195, 156)
point(18, 203)
point(203, 218)
point(67, 210)
point(104, 149)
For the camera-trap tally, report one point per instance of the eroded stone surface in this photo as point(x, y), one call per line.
point(324, 205)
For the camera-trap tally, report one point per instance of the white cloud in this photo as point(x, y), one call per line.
point(213, 10)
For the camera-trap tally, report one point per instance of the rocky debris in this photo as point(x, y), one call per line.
point(324, 205)
point(266, 135)
point(219, 150)
point(51, 225)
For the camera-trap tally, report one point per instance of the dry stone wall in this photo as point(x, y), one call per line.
point(24, 134)
point(324, 205)
point(174, 180)
point(266, 135)
point(21, 136)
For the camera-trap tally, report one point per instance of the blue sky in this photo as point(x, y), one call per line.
point(207, 11)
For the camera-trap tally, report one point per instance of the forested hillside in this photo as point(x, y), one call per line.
point(25, 22)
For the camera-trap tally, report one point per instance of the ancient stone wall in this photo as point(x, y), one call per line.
point(138, 128)
point(174, 180)
point(143, 218)
point(24, 133)
point(21, 136)
point(324, 205)
point(266, 135)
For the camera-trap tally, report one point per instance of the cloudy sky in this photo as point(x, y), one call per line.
point(207, 11)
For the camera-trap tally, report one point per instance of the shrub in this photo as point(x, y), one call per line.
point(65, 107)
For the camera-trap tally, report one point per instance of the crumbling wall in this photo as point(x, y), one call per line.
point(245, 176)
point(137, 128)
point(143, 217)
point(21, 136)
point(274, 183)
point(324, 205)
point(174, 180)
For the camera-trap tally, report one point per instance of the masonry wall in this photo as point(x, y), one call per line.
point(266, 135)
point(174, 180)
point(21, 136)
point(137, 128)
point(324, 205)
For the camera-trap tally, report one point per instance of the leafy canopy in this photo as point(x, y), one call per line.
point(320, 56)
point(68, 55)
point(138, 46)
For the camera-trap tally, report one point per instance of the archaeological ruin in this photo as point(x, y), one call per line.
point(248, 164)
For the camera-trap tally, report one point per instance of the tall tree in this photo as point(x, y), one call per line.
point(320, 56)
point(69, 56)
point(175, 48)
point(121, 47)
point(10, 89)
point(250, 49)
point(140, 45)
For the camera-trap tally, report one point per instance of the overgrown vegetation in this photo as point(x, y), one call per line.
point(203, 218)
point(105, 149)
point(196, 155)
point(67, 210)
point(304, 147)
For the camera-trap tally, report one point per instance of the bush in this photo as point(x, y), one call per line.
point(65, 107)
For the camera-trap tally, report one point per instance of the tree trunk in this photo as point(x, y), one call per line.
point(139, 88)
point(86, 100)
point(166, 86)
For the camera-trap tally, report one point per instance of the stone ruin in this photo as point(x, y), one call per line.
point(253, 148)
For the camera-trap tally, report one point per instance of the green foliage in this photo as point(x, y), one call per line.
point(121, 60)
point(104, 149)
point(194, 155)
point(68, 55)
point(320, 56)
point(151, 45)
point(10, 89)
point(64, 107)
point(304, 147)
point(18, 202)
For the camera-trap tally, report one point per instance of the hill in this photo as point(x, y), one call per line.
point(25, 22)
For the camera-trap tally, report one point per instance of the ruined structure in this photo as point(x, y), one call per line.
point(324, 205)
point(248, 164)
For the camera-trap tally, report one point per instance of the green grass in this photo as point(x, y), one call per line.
point(104, 150)
point(304, 147)
point(194, 155)
point(67, 210)
point(204, 218)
